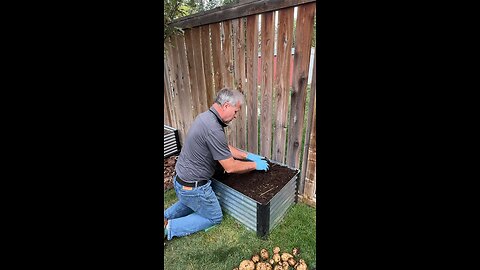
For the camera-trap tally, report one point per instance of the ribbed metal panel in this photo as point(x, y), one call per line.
point(282, 201)
point(277, 210)
point(275, 220)
point(171, 144)
point(287, 191)
point(244, 209)
point(239, 206)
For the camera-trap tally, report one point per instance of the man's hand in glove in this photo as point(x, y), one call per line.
point(261, 165)
point(253, 157)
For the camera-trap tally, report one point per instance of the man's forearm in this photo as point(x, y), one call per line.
point(242, 167)
point(237, 154)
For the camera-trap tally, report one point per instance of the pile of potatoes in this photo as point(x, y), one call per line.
point(285, 261)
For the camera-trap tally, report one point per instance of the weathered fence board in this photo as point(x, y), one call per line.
point(310, 146)
point(267, 36)
point(173, 70)
point(239, 78)
point(199, 70)
point(169, 112)
point(194, 86)
point(167, 118)
point(282, 83)
point(216, 56)
point(301, 61)
point(207, 64)
point(251, 92)
point(172, 84)
point(227, 53)
point(227, 69)
point(184, 84)
point(309, 190)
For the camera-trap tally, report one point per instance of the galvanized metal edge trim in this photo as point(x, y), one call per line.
point(263, 219)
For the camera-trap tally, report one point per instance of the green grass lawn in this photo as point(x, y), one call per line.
point(226, 245)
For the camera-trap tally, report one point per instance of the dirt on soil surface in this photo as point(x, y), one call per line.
point(258, 185)
point(169, 172)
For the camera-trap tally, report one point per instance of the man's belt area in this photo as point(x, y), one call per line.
point(191, 184)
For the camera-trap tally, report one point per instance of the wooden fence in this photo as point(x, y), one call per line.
point(221, 48)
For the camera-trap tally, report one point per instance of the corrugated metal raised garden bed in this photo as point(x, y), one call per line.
point(171, 141)
point(258, 199)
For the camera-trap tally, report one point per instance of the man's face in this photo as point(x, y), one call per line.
point(230, 112)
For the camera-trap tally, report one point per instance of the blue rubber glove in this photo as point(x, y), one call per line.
point(261, 165)
point(253, 157)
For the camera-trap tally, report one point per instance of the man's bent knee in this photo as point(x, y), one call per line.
point(218, 219)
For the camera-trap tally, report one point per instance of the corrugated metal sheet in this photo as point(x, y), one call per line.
point(244, 209)
point(239, 206)
point(170, 141)
point(282, 201)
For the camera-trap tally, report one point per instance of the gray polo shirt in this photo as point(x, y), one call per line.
point(204, 145)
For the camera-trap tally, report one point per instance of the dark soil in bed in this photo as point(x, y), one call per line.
point(258, 185)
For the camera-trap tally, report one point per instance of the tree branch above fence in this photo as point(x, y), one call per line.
point(235, 11)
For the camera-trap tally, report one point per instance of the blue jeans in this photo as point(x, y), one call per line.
point(196, 210)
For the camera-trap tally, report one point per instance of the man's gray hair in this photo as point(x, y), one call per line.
point(231, 96)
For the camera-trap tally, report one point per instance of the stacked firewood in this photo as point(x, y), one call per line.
point(169, 172)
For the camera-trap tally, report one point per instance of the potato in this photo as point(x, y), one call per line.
point(285, 256)
point(271, 261)
point(264, 254)
point(263, 266)
point(246, 265)
point(285, 265)
point(276, 257)
point(255, 258)
point(295, 251)
point(278, 267)
point(291, 261)
point(301, 265)
point(276, 250)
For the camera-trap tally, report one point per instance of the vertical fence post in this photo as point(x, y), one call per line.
point(307, 151)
